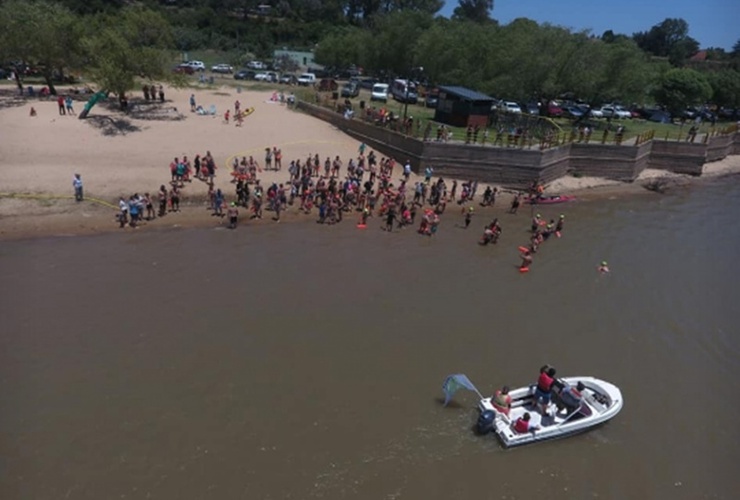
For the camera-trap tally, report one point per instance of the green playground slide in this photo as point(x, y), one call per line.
point(97, 96)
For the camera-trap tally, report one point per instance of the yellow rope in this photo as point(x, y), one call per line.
point(54, 197)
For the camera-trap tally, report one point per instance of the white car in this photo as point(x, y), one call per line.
point(196, 65)
point(595, 113)
point(256, 65)
point(266, 76)
point(380, 92)
point(511, 107)
point(612, 111)
point(222, 68)
point(307, 79)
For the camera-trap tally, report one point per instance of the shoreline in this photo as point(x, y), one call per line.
point(121, 154)
point(40, 218)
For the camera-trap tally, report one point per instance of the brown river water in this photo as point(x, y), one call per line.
point(301, 361)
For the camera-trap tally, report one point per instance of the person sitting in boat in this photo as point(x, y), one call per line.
point(501, 401)
point(543, 391)
point(522, 425)
point(570, 397)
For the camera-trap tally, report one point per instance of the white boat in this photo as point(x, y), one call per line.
point(601, 402)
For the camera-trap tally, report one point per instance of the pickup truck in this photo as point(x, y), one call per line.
point(307, 79)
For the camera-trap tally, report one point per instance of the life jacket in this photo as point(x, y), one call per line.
point(501, 402)
point(521, 426)
point(544, 383)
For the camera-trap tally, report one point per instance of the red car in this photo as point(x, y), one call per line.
point(183, 69)
point(554, 110)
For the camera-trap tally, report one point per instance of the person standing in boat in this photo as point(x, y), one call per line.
point(523, 425)
point(501, 401)
point(543, 391)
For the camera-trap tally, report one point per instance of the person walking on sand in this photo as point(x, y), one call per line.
point(162, 200)
point(68, 105)
point(60, 103)
point(192, 103)
point(77, 184)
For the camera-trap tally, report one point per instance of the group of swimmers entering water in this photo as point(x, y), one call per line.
point(367, 188)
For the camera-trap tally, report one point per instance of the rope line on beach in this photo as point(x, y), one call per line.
point(55, 197)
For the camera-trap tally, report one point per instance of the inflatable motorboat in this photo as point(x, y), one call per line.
point(600, 402)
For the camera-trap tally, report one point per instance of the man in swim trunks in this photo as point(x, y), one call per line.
point(233, 214)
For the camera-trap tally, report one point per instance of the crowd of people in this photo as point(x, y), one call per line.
point(368, 186)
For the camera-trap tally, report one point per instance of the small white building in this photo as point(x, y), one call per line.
point(301, 58)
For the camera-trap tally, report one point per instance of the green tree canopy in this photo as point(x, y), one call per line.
point(134, 43)
point(478, 11)
point(726, 88)
point(680, 88)
point(42, 33)
point(668, 39)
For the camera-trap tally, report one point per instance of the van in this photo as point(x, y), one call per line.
point(307, 79)
point(404, 91)
point(379, 92)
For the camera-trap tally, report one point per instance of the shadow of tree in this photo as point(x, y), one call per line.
point(110, 126)
point(11, 98)
point(140, 109)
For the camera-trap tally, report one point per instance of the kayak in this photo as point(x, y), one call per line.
point(601, 402)
point(550, 200)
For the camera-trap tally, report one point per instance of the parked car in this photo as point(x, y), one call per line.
point(307, 79)
point(183, 69)
point(256, 65)
point(554, 110)
point(573, 112)
point(595, 113)
point(325, 85)
point(379, 92)
point(196, 65)
point(266, 76)
point(431, 100)
point(615, 111)
point(660, 117)
point(530, 108)
point(245, 74)
point(288, 79)
point(368, 83)
point(222, 68)
point(352, 89)
point(510, 107)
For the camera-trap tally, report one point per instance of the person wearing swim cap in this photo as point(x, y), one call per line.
point(233, 214)
point(468, 216)
point(604, 267)
point(536, 222)
point(559, 225)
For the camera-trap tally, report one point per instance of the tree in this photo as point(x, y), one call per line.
point(668, 39)
point(680, 88)
point(131, 44)
point(42, 34)
point(478, 11)
point(726, 88)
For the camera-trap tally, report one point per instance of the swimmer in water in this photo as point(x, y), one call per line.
point(526, 260)
point(604, 267)
point(559, 225)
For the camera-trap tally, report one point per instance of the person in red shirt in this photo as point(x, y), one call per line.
point(523, 426)
point(60, 103)
point(542, 392)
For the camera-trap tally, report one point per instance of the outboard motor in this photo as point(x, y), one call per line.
point(485, 422)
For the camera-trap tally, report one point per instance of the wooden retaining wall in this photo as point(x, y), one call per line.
point(518, 167)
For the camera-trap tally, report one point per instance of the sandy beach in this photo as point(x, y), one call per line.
point(118, 155)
